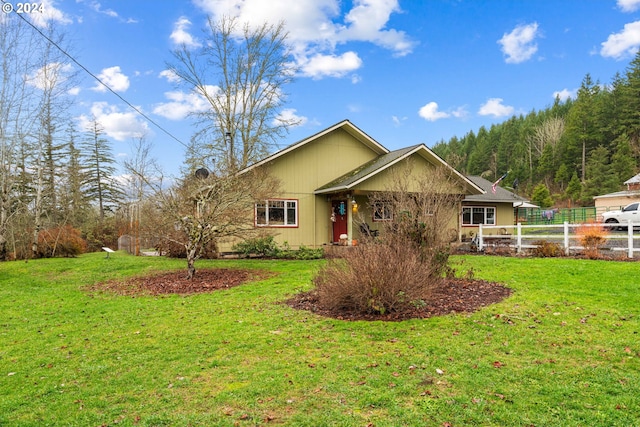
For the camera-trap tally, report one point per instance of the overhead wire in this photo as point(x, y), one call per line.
point(68, 55)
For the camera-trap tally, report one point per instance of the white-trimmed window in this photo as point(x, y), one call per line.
point(277, 213)
point(382, 212)
point(476, 215)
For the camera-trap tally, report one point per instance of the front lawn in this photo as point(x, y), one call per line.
point(563, 349)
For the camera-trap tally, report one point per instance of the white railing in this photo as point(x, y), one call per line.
point(523, 236)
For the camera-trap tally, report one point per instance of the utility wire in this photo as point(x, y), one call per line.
point(134, 108)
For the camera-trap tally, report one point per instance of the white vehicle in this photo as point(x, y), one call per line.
point(631, 212)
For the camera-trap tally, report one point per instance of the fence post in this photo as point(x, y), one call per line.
point(630, 239)
point(566, 238)
point(519, 237)
point(480, 240)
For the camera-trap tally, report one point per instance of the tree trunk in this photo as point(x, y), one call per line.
point(191, 260)
point(191, 269)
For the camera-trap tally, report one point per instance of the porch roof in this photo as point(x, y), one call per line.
point(367, 170)
point(349, 180)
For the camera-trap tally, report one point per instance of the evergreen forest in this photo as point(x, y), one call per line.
point(573, 150)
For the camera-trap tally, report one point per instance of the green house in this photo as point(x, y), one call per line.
point(325, 181)
point(495, 207)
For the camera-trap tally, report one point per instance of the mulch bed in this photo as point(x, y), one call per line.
point(451, 296)
point(176, 282)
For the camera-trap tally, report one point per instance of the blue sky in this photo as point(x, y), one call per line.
point(405, 72)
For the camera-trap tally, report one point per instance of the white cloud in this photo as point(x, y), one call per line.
point(180, 34)
point(49, 76)
point(98, 8)
point(181, 105)
point(117, 125)
point(317, 27)
point(170, 76)
point(629, 5)
point(113, 78)
point(494, 107)
point(397, 121)
point(565, 94)
point(623, 44)
point(319, 65)
point(288, 115)
point(460, 112)
point(366, 22)
point(430, 112)
point(519, 45)
point(49, 14)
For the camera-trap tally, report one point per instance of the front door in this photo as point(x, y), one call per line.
point(339, 218)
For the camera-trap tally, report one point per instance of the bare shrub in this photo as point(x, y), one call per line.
point(546, 249)
point(64, 241)
point(592, 237)
point(376, 278)
point(409, 257)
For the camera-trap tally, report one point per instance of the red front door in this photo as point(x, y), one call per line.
point(339, 218)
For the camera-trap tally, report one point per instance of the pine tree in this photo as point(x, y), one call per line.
point(73, 202)
point(541, 196)
point(622, 162)
point(629, 93)
point(582, 123)
point(574, 188)
point(601, 178)
point(100, 185)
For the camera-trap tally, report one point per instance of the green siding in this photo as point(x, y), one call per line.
point(307, 168)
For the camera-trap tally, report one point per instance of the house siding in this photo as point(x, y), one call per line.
point(301, 172)
point(504, 216)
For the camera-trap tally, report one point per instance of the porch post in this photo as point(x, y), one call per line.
point(349, 222)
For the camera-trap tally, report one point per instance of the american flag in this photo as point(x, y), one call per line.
point(493, 187)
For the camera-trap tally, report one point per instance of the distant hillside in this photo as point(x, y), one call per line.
point(577, 148)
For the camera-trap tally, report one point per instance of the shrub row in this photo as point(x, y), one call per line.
point(267, 247)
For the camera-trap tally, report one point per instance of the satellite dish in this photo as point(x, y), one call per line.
point(202, 173)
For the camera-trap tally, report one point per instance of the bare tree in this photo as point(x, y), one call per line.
point(16, 116)
point(241, 72)
point(424, 209)
point(202, 209)
point(548, 133)
point(52, 79)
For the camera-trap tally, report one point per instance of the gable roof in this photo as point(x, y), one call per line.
point(501, 195)
point(381, 163)
point(633, 180)
point(345, 125)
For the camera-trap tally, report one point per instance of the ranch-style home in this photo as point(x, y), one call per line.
point(489, 208)
point(325, 181)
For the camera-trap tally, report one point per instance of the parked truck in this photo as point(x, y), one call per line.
point(631, 212)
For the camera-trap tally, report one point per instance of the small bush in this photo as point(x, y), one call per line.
point(592, 237)
point(267, 247)
point(261, 246)
point(377, 278)
point(545, 249)
point(64, 241)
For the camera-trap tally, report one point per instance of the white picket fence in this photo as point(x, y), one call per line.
point(523, 236)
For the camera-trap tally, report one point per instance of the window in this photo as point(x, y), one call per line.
point(277, 213)
point(382, 212)
point(478, 215)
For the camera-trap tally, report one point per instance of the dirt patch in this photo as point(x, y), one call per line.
point(451, 296)
point(176, 282)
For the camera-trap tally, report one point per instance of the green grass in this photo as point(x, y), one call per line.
point(563, 350)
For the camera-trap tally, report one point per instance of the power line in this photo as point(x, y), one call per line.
point(134, 108)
